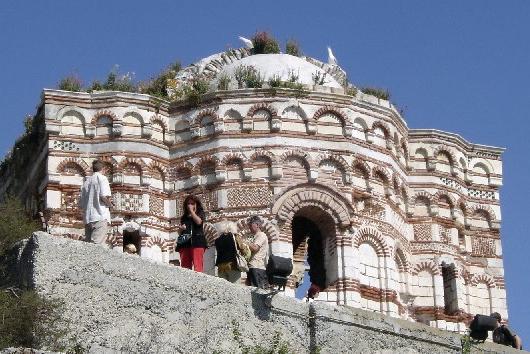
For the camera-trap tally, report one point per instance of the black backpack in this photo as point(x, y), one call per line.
point(504, 336)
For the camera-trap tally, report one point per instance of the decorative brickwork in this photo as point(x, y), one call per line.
point(105, 113)
point(73, 166)
point(249, 197)
point(372, 236)
point(428, 266)
point(156, 205)
point(422, 232)
point(128, 201)
point(70, 201)
point(483, 247)
point(445, 234)
point(65, 146)
point(480, 194)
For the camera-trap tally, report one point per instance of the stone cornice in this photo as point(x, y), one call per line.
point(105, 98)
point(416, 135)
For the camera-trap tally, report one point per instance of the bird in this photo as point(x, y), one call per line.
point(248, 42)
point(331, 58)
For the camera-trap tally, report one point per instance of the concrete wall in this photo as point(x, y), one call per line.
point(121, 302)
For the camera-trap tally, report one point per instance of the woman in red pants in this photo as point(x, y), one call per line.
point(192, 248)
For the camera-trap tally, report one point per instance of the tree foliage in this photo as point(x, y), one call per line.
point(15, 224)
point(264, 43)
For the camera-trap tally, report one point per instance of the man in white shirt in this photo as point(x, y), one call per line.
point(95, 203)
point(259, 248)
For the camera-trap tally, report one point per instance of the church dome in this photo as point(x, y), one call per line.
point(282, 66)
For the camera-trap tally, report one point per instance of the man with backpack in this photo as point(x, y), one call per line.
point(503, 335)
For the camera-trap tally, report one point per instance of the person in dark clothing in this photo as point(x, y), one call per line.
point(503, 335)
point(191, 223)
point(226, 248)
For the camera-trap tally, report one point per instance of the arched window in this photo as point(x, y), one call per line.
point(132, 125)
point(329, 124)
point(73, 123)
point(182, 131)
point(104, 126)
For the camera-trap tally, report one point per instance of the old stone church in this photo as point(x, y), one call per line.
point(405, 222)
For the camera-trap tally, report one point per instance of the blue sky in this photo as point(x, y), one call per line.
point(457, 66)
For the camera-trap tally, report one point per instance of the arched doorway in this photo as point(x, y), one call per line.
point(314, 249)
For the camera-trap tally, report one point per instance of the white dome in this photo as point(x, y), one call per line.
point(270, 65)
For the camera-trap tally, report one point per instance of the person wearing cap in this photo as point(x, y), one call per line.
point(259, 248)
point(503, 335)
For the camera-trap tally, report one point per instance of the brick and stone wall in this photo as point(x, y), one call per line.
point(125, 303)
point(393, 206)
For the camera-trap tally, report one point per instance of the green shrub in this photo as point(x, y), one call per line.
point(318, 77)
point(191, 92)
point(223, 82)
point(95, 86)
point(292, 48)
point(15, 224)
point(158, 86)
point(198, 88)
point(18, 161)
point(264, 43)
point(351, 90)
point(377, 92)
point(248, 76)
point(275, 81)
point(70, 83)
point(116, 82)
point(28, 320)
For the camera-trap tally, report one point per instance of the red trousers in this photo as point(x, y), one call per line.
point(191, 258)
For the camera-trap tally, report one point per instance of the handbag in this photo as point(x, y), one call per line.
point(242, 264)
point(184, 237)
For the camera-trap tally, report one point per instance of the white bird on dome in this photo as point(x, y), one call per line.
point(248, 42)
point(331, 58)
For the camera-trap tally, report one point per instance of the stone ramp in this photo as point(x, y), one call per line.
point(117, 302)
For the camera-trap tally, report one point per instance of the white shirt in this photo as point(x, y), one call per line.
point(95, 187)
point(259, 259)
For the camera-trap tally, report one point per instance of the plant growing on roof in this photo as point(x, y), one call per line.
point(319, 77)
point(70, 83)
point(351, 91)
point(248, 76)
point(223, 82)
point(190, 91)
point(275, 81)
point(158, 86)
point(377, 92)
point(116, 82)
point(292, 48)
point(292, 76)
point(264, 43)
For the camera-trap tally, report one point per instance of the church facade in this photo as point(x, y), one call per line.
point(401, 221)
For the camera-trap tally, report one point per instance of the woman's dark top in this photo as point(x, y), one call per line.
point(197, 238)
point(226, 248)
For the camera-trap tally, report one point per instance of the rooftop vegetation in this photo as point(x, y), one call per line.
point(292, 48)
point(265, 43)
point(377, 92)
point(165, 86)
